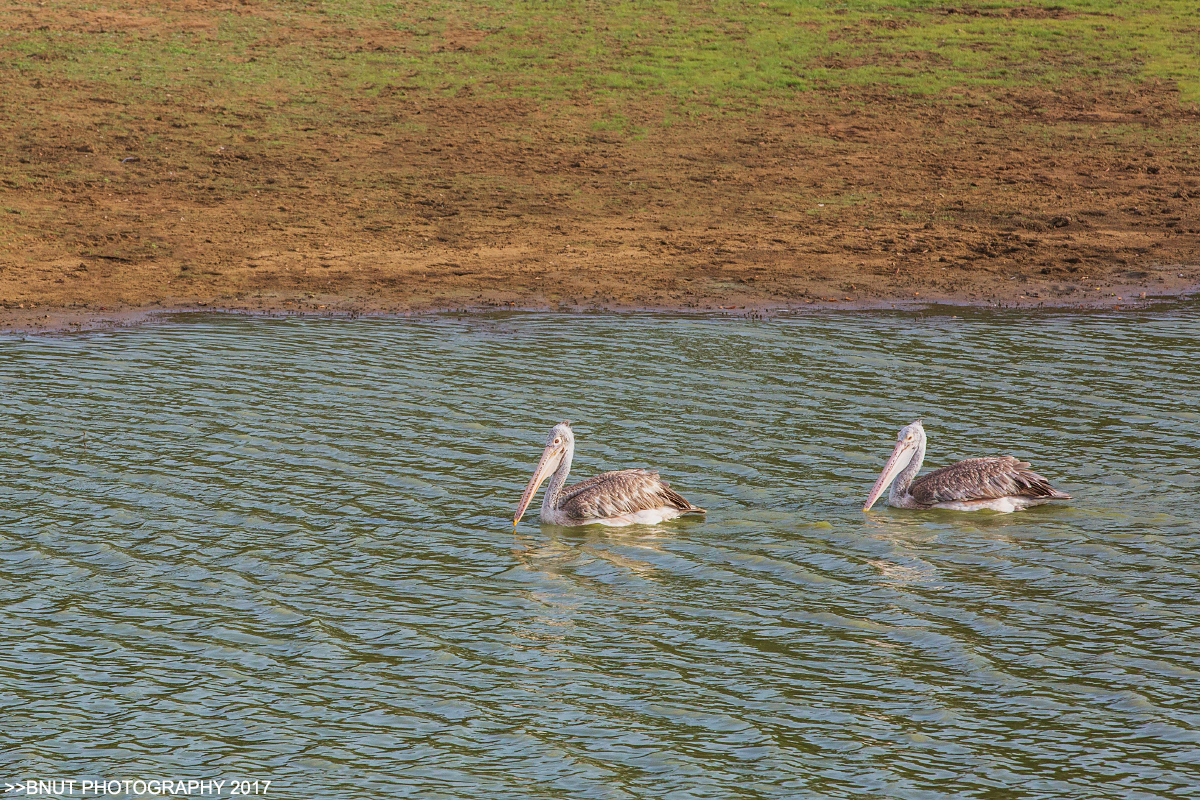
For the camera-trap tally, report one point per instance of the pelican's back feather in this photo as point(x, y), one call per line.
point(626, 491)
point(983, 479)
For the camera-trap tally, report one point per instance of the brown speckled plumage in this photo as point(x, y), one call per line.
point(982, 479)
point(625, 491)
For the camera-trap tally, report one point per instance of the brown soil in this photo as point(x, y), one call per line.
point(413, 203)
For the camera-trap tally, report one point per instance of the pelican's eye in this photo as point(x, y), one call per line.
point(558, 441)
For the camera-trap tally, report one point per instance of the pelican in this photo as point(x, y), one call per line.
point(998, 484)
point(626, 497)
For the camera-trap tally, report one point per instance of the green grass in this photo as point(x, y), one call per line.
point(688, 56)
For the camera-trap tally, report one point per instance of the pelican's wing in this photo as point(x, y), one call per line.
point(982, 479)
point(627, 491)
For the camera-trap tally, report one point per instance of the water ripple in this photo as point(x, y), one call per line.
point(282, 549)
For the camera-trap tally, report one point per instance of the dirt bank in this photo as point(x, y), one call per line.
point(411, 201)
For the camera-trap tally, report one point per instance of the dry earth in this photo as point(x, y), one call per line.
point(414, 202)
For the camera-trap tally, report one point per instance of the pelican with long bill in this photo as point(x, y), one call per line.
point(625, 497)
point(1000, 484)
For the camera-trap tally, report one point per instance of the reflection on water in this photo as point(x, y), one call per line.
point(282, 549)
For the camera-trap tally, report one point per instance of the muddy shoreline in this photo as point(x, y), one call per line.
point(118, 201)
point(49, 320)
point(802, 216)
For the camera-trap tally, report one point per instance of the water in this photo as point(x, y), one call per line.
point(282, 550)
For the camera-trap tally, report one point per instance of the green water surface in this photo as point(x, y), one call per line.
point(282, 550)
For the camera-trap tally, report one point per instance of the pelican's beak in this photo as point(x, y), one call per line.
point(551, 458)
point(901, 456)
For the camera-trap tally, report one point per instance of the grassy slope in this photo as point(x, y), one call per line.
point(293, 65)
point(281, 80)
point(728, 56)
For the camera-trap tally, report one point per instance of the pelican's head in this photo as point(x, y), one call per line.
point(908, 443)
point(559, 442)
